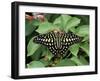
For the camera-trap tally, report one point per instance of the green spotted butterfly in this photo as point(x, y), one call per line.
point(57, 41)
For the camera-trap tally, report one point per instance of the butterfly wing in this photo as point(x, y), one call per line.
point(58, 43)
point(42, 39)
point(71, 39)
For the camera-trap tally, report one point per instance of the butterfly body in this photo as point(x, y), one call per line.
point(57, 41)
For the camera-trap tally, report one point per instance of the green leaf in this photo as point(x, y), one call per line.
point(74, 49)
point(35, 64)
point(66, 62)
point(32, 47)
point(66, 22)
point(57, 22)
point(86, 38)
point(83, 30)
point(44, 27)
point(85, 47)
point(28, 27)
point(37, 54)
point(76, 60)
point(84, 19)
point(73, 30)
point(51, 17)
point(83, 60)
point(35, 22)
point(73, 22)
point(44, 62)
point(80, 61)
point(47, 53)
point(62, 21)
point(65, 19)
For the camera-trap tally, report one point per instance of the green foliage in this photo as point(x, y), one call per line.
point(74, 49)
point(66, 62)
point(83, 30)
point(45, 27)
point(73, 22)
point(30, 47)
point(62, 21)
point(39, 56)
point(85, 47)
point(79, 61)
point(35, 64)
point(30, 26)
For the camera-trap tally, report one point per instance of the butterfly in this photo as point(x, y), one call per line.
point(57, 42)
